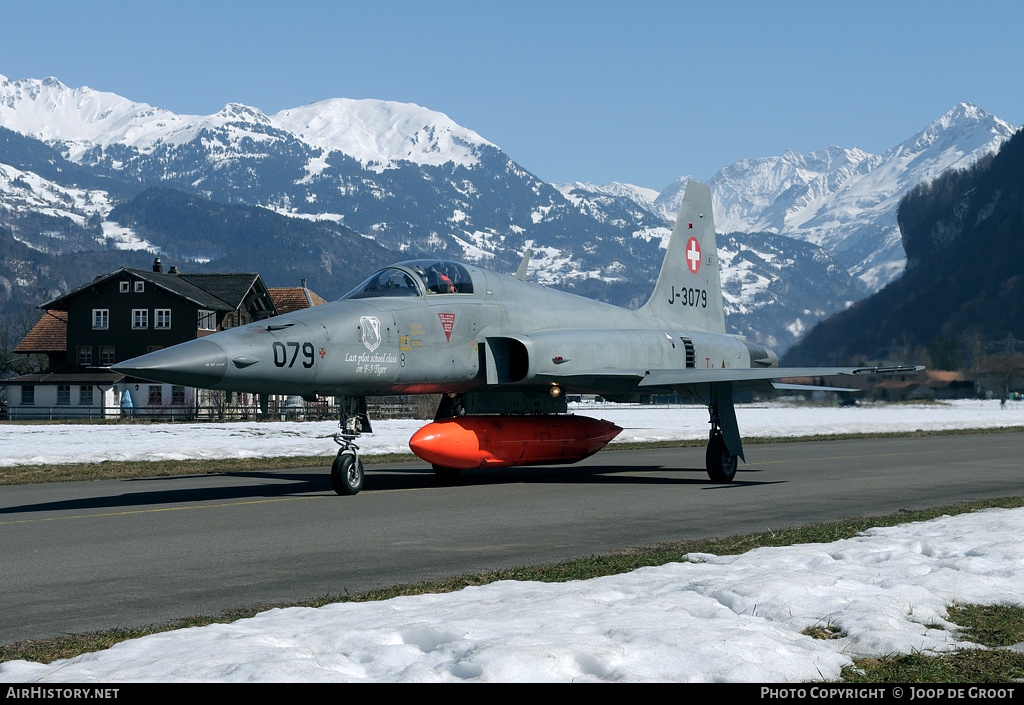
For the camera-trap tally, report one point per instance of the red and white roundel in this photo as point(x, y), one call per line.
point(693, 255)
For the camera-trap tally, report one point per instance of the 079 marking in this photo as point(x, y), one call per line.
point(281, 354)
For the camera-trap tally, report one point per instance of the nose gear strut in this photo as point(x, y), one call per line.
point(347, 470)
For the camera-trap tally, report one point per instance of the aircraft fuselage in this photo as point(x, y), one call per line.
point(506, 332)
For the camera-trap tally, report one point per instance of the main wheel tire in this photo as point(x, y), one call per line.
point(347, 474)
point(720, 462)
point(445, 473)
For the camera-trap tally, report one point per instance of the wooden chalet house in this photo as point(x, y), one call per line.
point(119, 316)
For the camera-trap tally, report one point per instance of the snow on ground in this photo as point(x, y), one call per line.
point(32, 444)
point(733, 618)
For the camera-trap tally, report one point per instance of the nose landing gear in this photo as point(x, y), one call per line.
point(347, 470)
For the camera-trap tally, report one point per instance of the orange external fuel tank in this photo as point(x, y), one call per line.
point(465, 442)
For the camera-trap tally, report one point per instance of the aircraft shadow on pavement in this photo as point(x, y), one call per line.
point(256, 484)
point(264, 484)
point(413, 477)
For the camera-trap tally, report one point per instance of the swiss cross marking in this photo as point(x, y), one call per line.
point(693, 255)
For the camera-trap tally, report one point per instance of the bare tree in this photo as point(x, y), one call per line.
point(15, 323)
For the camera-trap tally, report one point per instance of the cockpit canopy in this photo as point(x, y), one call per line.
point(415, 278)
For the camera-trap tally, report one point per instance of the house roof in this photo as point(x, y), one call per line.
point(49, 335)
point(294, 298)
point(229, 288)
point(218, 292)
point(897, 384)
point(939, 377)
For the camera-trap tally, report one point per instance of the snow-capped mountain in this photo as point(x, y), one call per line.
point(374, 132)
point(406, 177)
point(775, 287)
point(764, 274)
point(622, 205)
point(846, 199)
point(417, 183)
point(28, 192)
point(382, 133)
point(403, 175)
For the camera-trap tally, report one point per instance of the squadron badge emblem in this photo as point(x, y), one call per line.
point(370, 327)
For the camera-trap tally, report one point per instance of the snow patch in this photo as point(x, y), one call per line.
point(124, 238)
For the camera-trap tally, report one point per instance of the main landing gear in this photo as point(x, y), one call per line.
point(347, 470)
point(724, 447)
point(721, 463)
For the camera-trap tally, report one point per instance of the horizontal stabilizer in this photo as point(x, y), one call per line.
point(891, 370)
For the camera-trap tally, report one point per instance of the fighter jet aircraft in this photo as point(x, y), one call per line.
point(504, 353)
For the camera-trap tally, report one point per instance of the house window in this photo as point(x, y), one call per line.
point(140, 318)
point(107, 355)
point(63, 394)
point(126, 287)
point(85, 395)
point(177, 395)
point(163, 318)
point(232, 320)
point(84, 354)
point(100, 318)
point(140, 286)
point(156, 395)
point(28, 395)
point(207, 320)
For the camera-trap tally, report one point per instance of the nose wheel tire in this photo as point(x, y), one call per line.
point(347, 474)
point(720, 462)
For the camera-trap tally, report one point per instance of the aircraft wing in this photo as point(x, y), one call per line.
point(666, 378)
point(742, 379)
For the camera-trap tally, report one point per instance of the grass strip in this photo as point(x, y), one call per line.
point(991, 626)
point(963, 666)
point(136, 469)
point(613, 563)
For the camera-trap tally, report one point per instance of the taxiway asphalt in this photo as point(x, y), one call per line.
point(87, 556)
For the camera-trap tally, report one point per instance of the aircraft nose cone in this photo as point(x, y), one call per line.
point(197, 363)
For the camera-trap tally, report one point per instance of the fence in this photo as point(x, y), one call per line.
point(278, 410)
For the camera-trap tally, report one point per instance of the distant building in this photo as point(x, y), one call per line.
point(122, 315)
point(1000, 375)
point(927, 385)
point(295, 298)
point(49, 337)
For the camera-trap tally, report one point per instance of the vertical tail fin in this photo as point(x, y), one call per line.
point(689, 288)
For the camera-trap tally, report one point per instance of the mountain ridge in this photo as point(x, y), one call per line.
point(417, 184)
point(962, 286)
point(845, 200)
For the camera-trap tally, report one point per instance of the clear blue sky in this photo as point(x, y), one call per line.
point(640, 92)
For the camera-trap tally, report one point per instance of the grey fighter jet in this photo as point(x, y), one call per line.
point(503, 353)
